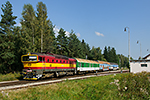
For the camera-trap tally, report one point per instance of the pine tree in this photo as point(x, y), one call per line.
point(62, 43)
point(42, 21)
point(84, 49)
point(73, 45)
point(29, 27)
point(7, 54)
point(114, 56)
point(105, 53)
point(19, 48)
point(49, 41)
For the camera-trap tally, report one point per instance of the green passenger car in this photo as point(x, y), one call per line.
point(87, 65)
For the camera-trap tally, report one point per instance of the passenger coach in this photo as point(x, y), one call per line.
point(86, 65)
point(104, 66)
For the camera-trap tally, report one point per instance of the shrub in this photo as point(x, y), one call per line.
point(134, 86)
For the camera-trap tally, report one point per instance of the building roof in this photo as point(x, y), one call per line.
point(146, 56)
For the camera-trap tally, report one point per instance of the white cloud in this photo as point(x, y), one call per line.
point(78, 34)
point(67, 33)
point(99, 34)
point(56, 30)
point(18, 24)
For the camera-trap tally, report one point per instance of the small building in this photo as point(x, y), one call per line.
point(140, 65)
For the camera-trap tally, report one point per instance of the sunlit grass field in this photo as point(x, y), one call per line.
point(111, 87)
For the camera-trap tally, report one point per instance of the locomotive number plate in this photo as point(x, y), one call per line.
point(29, 70)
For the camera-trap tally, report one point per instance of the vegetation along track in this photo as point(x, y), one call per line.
point(25, 83)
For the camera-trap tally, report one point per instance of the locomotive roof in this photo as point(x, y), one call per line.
point(50, 54)
point(86, 61)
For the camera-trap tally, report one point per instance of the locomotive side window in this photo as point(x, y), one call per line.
point(52, 60)
point(40, 58)
point(43, 59)
point(56, 60)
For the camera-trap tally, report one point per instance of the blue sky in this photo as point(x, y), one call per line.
point(99, 22)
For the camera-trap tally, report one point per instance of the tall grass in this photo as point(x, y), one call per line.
point(112, 87)
point(10, 76)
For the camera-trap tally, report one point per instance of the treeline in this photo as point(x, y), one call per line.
point(36, 34)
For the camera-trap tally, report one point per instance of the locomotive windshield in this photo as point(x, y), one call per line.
point(29, 58)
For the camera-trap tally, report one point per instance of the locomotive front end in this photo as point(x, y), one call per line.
point(30, 62)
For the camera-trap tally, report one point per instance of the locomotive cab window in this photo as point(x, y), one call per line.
point(29, 58)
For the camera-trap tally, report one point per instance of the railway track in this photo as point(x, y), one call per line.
point(23, 83)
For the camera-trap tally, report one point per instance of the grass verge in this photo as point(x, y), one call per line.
point(10, 77)
point(111, 87)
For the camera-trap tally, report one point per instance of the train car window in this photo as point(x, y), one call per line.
point(56, 60)
point(48, 60)
point(52, 60)
point(67, 62)
point(79, 64)
point(91, 65)
point(82, 64)
point(86, 64)
point(60, 61)
point(63, 61)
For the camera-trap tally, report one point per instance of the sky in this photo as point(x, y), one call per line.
point(99, 22)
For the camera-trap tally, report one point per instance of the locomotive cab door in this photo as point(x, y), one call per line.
point(43, 63)
point(71, 64)
point(42, 60)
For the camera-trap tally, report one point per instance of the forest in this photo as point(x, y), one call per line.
point(36, 34)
